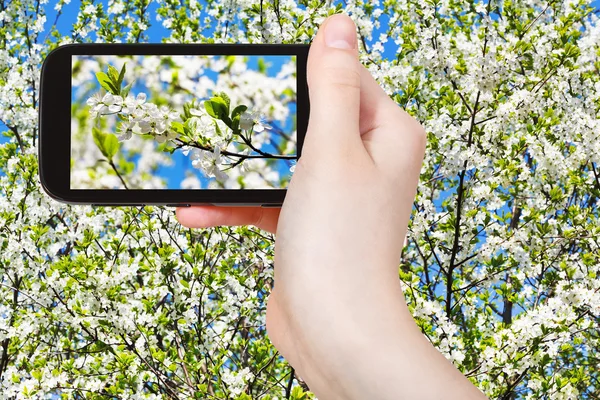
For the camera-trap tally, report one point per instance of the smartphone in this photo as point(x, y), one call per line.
point(172, 124)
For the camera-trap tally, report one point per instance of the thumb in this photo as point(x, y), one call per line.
point(333, 74)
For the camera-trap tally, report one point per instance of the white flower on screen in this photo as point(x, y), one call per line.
point(126, 131)
point(94, 100)
point(245, 165)
point(98, 105)
point(208, 162)
point(140, 98)
point(108, 99)
point(116, 104)
point(142, 127)
point(161, 126)
point(196, 112)
point(171, 134)
point(131, 103)
point(249, 120)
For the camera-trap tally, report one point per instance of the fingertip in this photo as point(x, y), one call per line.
point(195, 216)
point(334, 85)
point(340, 32)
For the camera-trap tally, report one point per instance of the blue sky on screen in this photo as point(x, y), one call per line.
point(182, 165)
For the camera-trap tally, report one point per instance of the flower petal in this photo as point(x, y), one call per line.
point(108, 99)
point(126, 136)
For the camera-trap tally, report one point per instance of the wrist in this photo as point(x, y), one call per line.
point(367, 352)
point(386, 356)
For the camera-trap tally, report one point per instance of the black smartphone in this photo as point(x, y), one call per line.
point(172, 124)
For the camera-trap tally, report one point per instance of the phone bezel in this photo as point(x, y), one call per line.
point(54, 148)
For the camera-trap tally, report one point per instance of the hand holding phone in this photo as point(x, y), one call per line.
point(337, 312)
point(128, 124)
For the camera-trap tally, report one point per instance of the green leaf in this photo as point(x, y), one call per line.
point(222, 108)
point(235, 123)
point(113, 74)
point(177, 127)
point(106, 83)
point(217, 130)
point(186, 111)
point(298, 393)
point(225, 97)
point(99, 140)
point(126, 90)
point(262, 66)
point(209, 108)
point(230, 60)
point(235, 116)
point(216, 107)
point(111, 144)
point(108, 144)
point(238, 110)
point(121, 76)
point(37, 374)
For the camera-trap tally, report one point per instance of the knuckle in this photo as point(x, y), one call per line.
point(416, 133)
point(420, 134)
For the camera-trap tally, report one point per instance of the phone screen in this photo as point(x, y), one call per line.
point(183, 121)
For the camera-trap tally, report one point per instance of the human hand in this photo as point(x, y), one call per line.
point(337, 312)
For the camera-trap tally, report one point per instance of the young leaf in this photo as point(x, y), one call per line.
point(111, 144)
point(262, 66)
point(209, 108)
point(126, 90)
point(230, 61)
point(235, 116)
point(121, 76)
point(224, 96)
point(99, 140)
point(227, 121)
point(177, 127)
point(113, 74)
point(219, 107)
point(105, 82)
point(217, 130)
point(238, 111)
point(108, 144)
point(235, 123)
point(186, 110)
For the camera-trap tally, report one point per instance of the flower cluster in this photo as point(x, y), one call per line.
point(223, 136)
point(207, 161)
point(139, 116)
point(253, 121)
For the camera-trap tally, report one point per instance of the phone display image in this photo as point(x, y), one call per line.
point(183, 121)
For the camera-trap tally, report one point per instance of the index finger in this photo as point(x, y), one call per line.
point(209, 216)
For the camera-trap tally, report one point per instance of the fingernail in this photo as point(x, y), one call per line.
point(340, 32)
